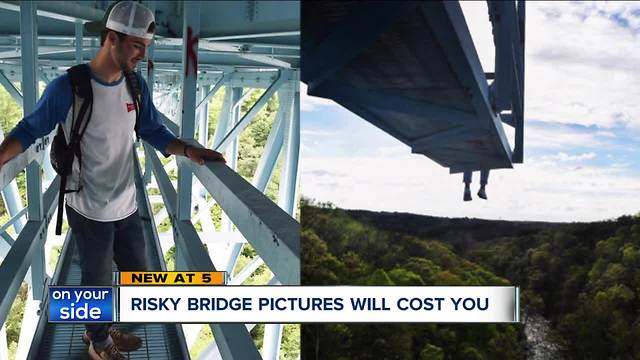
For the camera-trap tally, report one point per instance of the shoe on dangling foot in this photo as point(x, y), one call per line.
point(467, 194)
point(482, 193)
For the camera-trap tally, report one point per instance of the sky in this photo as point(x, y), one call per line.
point(582, 130)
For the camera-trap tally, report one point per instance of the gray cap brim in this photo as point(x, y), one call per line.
point(95, 27)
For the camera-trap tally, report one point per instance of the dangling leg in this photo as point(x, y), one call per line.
point(484, 180)
point(467, 185)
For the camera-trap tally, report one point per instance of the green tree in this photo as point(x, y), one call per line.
point(431, 352)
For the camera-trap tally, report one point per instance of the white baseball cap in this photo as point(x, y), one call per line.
point(127, 17)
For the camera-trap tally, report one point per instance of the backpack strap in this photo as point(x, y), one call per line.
point(80, 76)
point(134, 88)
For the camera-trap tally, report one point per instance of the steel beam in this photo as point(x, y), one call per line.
point(260, 58)
point(203, 112)
point(289, 178)
point(29, 46)
point(150, 231)
point(453, 137)
point(250, 19)
point(508, 119)
point(223, 118)
point(14, 207)
point(145, 207)
point(272, 232)
point(11, 89)
point(61, 268)
point(391, 102)
point(190, 35)
point(8, 241)
point(47, 50)
point(234, 341)
point(151, 5)
point(173, 127)
point(503, 22)
point(203, 137)
point(518, 151)
point(246, 119)
point(61, 10)
point(44, 78)
point(79, 42)
point(231, 153)
point(13, 203)
point(223, 80)
point(347, 39)
point(269, 158)
point(253, 79)
point(167, 73)
point(271, 341)
point(249, 269)
point(452, 33)
point(5, 244)
point(234, 119)
point(254, 35)
point(10, 222)
point(15, 265)
point(234, 254)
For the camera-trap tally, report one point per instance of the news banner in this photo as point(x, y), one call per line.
point(204, 297)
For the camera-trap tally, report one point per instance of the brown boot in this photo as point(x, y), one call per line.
point(123, 341)
point(108, 353)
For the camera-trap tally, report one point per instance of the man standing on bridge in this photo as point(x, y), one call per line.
point(102, 213)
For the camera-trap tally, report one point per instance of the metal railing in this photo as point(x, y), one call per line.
point(507, 89)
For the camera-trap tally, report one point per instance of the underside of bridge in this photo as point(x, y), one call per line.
point(411, 69)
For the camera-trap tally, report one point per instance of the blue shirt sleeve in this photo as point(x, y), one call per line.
point(52, 108)
point(150, 127)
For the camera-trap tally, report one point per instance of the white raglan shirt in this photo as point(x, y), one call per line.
point(108, 190)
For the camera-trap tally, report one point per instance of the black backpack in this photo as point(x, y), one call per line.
point(63, 153)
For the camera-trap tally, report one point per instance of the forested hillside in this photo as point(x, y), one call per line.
point(337, 249)
point(583, 277)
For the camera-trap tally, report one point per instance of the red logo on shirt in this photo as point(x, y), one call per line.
point(130, 107)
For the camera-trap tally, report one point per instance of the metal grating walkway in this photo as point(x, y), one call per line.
point(63, 341)
point(57, 341)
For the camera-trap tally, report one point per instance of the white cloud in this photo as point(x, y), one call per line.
point(316, 132)
point(400, 150)
point(561, 136)
point(581, 66)
point(564, 157)
point(542, 190)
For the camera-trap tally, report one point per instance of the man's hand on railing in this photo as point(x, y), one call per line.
point(200, 155)
point(194, 153)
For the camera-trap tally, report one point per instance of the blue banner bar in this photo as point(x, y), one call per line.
point(80, 304)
